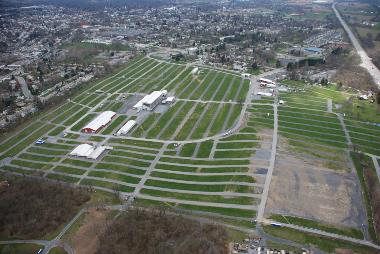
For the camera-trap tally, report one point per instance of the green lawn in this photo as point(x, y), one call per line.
point(24, 248)
point(200, 178)
point(62, 178)
point(233, 154)
point(80, 163)
point(69, 170)
point(201, 198)
point(198, 187)
point(218, 124)
point(108, 185)
point(34, 165)
point(41, 150)
point(164, 119)
point(350, 232)
point(126, 161)
point(138, 143)
point(114, 176)
point(131, 155)
point(56, 131)
point(323, 243)
point(121, 168)
point(204, 162)
point(115, 123)
point(205, 149)
point(188, 150)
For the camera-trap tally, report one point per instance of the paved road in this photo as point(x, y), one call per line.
point(260, 212)
point(366, 60)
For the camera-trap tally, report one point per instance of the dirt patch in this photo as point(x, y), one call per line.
point(86, 239)
point(303, 187)
point(260, 160)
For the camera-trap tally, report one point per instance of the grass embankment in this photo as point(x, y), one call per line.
point(350, 232)
point(323, 243)
point(371, 192)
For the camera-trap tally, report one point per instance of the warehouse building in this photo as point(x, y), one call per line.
point(99, 122)
point(89, 151)
point(150, 101)
point(126, 127)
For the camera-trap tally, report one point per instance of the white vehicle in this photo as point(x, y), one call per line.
point(264, 94)
point(266, 81)
point(281, 102)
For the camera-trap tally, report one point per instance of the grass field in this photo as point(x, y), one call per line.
point(182, 150)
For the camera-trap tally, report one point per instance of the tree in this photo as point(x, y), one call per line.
point(278, 64)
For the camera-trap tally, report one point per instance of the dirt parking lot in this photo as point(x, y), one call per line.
point(302, 187)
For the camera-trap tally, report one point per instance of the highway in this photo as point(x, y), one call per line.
point(366, 60)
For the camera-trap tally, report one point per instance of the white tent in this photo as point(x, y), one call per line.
point(82, 150)
point(126, 127)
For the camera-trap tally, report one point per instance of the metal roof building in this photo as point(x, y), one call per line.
point(89, 151)
point(126, 127)
point(99, 122)
point(150, 101)
point(83, 150)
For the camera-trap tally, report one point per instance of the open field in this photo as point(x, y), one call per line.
point(200, 153)
point(207, 175)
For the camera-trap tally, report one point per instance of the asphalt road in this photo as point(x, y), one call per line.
point(366, 60)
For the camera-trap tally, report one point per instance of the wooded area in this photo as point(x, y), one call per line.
point(147, 232)
point(31, 208)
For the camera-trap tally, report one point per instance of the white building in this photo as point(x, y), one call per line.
point(99, 122)
point(126, 127)
point(195, 71)
point(150, 101)
point(169, 100)
point(89, 151)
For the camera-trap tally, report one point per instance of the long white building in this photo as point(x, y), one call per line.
point(150, 101)
point(89, 151)
point(126, 127)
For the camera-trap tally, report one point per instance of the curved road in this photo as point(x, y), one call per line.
point(366, 60)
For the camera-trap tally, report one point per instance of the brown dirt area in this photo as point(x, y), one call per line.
point(303, 187)
point(86, 239)
point(261, 158)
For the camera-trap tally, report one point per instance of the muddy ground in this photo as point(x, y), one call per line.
point(302, 187)
point(85, 240)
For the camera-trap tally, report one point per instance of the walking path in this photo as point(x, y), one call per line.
point(260, 213)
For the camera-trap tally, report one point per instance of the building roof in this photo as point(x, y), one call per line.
point(89, 151)
point(170, 99)
point(150, 98)
point(100, 121)
point(97, 152)
point(126, 127)
point(153, 97)
point(83, 150)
